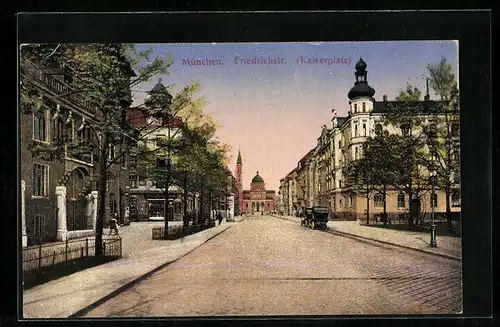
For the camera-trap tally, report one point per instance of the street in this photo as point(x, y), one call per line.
point(270, 266)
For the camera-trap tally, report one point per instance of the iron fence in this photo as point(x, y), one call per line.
point(51, 259)
point(41, 219)
point(341, 215)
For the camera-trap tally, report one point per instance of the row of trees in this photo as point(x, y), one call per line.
point(428, 143)
point(101, 76)
point(188, 156)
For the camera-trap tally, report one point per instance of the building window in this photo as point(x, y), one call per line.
point(356, 130)
point(124, 160)
point(401, 200)
point(40, 126)
point(340, 183)
point(364, 129)
point(434, 200)
point(112, 152)
point(133, 181)
point(355, 153)
point(455, 199)
point(177, 207)
point(40, 179)
point(132, 162)
point(355, 107)
point(379, 200)
point(364, 107)
point(142, 181)
point(58, 130)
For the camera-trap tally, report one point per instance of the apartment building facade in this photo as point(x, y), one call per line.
point(341, 143)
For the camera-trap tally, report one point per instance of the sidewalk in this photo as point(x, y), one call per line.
point(66, 296)
point(447, 246)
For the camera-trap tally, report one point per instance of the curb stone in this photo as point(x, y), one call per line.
point(448, 256)
point(136, 280)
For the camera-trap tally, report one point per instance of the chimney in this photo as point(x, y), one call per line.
point(384, 97)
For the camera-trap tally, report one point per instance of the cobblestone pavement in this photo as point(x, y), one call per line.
point(267, 266)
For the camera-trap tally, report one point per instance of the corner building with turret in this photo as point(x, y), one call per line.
point(326, 180)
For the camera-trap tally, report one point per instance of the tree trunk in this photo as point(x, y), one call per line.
point(165, 210)
point(200, 209)
point(417, 218)
point(368, 208)
point(410, 215)
point(185, 220)
point(167, 186)
point(101, 188)
point(385, 205)
point(209, 207)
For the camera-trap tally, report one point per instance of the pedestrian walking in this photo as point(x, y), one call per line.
point(219, 218)
point(113, 226)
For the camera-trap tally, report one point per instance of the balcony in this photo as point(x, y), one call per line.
point(56, 86)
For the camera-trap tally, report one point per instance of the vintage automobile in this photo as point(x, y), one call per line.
point(316, 216)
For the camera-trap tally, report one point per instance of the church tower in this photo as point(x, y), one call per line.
point(239, 181)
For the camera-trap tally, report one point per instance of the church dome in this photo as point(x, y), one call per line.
point(361, 87)
point(257, 179)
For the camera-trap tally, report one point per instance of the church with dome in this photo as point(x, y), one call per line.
point(257, 200)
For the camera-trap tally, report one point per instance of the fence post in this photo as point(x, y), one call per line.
point(39, 255)
point(81, 256)
point(86, 247)
point(66, 254)
point(54, 258)
point(121, 248)
point(104, 248)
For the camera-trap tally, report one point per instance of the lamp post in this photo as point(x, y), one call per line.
point(433, 180)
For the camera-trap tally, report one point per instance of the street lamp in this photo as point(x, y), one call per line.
point(433, 181)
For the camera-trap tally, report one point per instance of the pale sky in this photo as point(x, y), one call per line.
point(274, 112)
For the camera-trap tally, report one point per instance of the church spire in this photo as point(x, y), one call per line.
point(239, 161)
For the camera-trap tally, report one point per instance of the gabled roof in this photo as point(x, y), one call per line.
point(341, 120)
point(305, 159)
